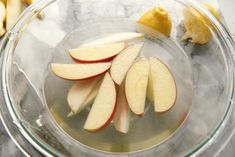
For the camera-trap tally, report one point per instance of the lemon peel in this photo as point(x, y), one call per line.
point(213, 11)
point(158, 19)
point(197, 26)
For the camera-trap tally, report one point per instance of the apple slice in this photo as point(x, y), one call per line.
point(149, 94)
point(164, 87)
point(123, 62)
point(122, 114)
point(79, 93)
point(113, 38)
point(87, 102)
point(136, 85)
point(98, 53)
point(104, 106)
point(79, 71)
point(91, 96)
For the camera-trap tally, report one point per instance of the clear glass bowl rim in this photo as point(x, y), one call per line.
point(10, 41)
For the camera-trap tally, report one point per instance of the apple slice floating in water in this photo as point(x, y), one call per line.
point(104, 106)
point(123, 112)
point(117, 37)
point(149, 94)
point(164, 87)
point(91, 97)
point(79, 71)
point(123, 62)
point(98, 53)
point(81, 94)
point(136, 85)
point(150, 78)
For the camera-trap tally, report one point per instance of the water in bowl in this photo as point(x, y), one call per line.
point(144, 132)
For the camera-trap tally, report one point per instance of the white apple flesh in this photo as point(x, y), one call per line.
point(79, 71)
point(123, 112)
point(91, 96)
point(164, 87)
point(80, 95)
point(149, 94)
point(123, 62)
point(88, 101)
point(113, 38)
point(99, 53)
point(136, 85)
point(104, 106)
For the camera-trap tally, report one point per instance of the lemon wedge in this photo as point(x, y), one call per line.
point(213, 11)
point(2, 12)
point(197, 26)
point(29, 2)
point(158, 19)
point(2, 32)
point(4, 2)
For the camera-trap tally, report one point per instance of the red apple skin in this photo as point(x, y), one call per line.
point(182, 118)
point(86, 78)
point(96, 61)
point(110, 118)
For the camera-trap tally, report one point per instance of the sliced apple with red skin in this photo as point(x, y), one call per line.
point(80, 93)
point(136, 85)
point(123, 112)
point(98, 53)
point(79, 71)
point(104, 106)
point(123, 62)
point(117, 37)
point(164, 87)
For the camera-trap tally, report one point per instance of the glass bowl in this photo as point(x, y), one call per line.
point(34, 109)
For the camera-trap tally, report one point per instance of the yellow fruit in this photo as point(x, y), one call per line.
point(13, 10)
point(158, 19)
point(2, 32)
point(2, 12)
point(213, 11)
point(4, 2)
point(197, 26)
point(29, 1)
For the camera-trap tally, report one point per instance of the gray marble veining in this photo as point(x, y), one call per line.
point(7, 147)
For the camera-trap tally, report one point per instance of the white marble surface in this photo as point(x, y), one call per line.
point(8, 148)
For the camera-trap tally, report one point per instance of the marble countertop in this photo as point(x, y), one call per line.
point(9, 149)
point(7, 146)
